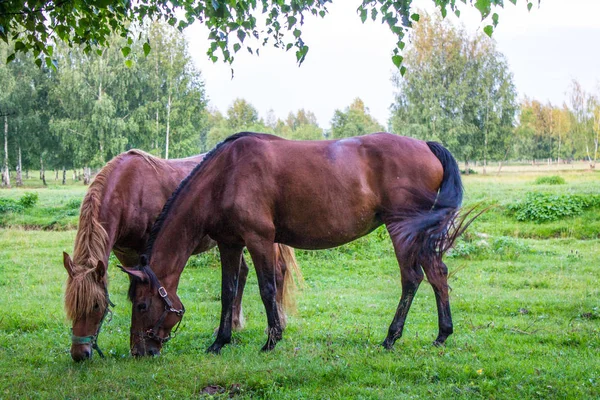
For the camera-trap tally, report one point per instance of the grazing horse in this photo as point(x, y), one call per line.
point(256, 189)
point(117, 214)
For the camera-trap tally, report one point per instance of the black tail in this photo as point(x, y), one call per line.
point(425, 234)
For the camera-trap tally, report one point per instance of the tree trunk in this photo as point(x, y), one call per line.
point(55, 174)
point(64, 181)
point(168, 127)
point(86, 176)
point(19, 178)
point(466, 167)
point(27, 173)
point(6, 171)
point(42, 171)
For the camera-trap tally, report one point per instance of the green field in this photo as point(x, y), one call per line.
point(525, 300)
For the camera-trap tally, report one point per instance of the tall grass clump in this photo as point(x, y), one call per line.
point(550, 180)
point(544, 207)
point(28, 200)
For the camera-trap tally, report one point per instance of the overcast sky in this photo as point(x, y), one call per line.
point(546, 49)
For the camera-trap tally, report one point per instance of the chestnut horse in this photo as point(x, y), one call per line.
point(256, 189)
point(117, 214)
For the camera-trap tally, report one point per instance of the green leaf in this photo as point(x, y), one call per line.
point(297, 33)
point(484, 7)
point(241, 35)
point(49, 50)
point(363, 15)
point(415, 17)
point(291, 21)
point(10, 58)
point(402, 70)
point(125, 50)
point(529, 6)
point(129, 63)
point(488, 29)
point(397, 60)
point(38, 62)
point(147, 49)
point(237, 47)
point(495, 19)
point(20, 46)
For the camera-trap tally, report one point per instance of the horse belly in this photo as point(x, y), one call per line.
point(324, 228)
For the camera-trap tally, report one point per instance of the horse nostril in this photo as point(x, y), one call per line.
point(82, 356)
point(153, 352)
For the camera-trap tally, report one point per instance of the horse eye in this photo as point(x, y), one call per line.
point(142, 307)
point(96, 307)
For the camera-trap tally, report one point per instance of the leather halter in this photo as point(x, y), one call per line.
point(93, 339)
point(152, 333)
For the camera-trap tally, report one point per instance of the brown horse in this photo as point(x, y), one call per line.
point(117, 214)
point(255, 189)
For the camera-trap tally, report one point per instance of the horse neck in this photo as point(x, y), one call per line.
point(174, 244)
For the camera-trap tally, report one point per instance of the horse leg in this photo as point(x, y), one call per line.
point(230, 269)
point(238, 314)
point(280, 271)
point(411, 276)
point(437, 275)
point(263, 256)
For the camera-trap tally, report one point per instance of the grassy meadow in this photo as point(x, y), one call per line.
point(525, 301)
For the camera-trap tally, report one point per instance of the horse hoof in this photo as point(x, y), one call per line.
point(214, 349)
point(388, 344)
point(438, 343)
point(268, 346)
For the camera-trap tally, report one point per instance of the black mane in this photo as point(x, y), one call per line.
point(165, 211)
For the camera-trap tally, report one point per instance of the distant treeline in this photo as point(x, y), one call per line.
point(90, 106)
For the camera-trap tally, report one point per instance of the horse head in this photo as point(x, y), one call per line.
point(87, 305)
point(154, 311)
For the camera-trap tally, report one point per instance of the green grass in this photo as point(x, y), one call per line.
point(525, 307)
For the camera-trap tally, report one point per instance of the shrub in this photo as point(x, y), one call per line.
point(544, 207)
point(28, 200)
point(73, 204)
point(550, 180)
point(8, 205)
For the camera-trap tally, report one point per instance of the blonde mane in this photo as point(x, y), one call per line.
point(83, 291)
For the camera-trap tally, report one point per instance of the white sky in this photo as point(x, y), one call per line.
point(545, 48)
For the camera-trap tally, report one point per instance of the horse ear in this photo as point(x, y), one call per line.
point(135, 273)
point(143, 260)
point(68, 263)
point(100, 270)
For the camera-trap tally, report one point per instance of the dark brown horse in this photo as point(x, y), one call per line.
point(117, 214)
point(255, 189)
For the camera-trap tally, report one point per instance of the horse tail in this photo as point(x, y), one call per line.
point(427, 232)
point(286, 257)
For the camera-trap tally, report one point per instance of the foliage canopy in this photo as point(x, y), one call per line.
point(33, 25)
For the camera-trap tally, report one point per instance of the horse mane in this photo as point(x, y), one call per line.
point(209, 156)
point(82, 291)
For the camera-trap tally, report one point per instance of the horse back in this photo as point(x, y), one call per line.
point(329, 192)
